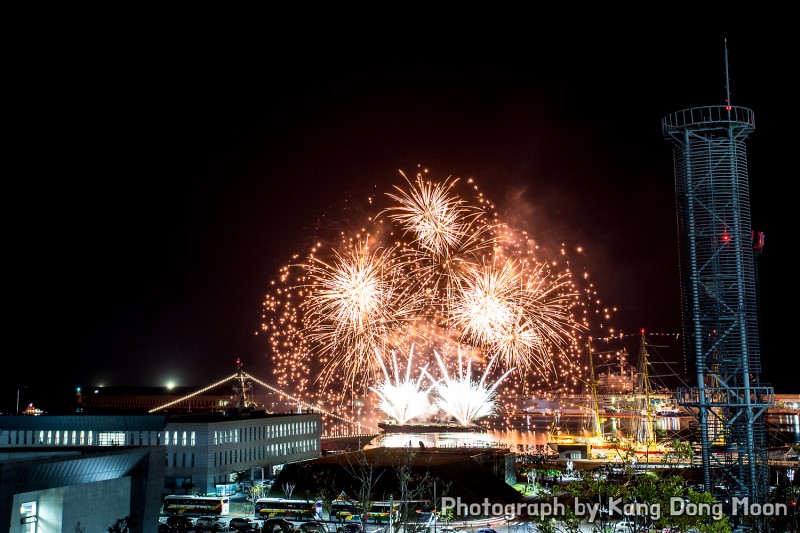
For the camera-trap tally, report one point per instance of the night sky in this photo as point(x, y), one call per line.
point(165, 178)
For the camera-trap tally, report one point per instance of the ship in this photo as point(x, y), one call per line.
point(596, 444)
point(428, 427)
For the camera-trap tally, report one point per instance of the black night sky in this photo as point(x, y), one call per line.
point(163, 179)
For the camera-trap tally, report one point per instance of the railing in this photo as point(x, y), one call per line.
point(708, 115)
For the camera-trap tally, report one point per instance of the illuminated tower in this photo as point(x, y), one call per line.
point(718, 293)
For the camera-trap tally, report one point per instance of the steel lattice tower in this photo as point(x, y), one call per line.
point(718, 294)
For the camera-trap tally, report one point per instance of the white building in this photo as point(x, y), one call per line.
point(202, 451)
point(205, 451)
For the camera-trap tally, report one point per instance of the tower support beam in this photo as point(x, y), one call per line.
point(718, 295)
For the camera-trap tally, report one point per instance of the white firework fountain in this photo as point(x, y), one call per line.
point(463, 398)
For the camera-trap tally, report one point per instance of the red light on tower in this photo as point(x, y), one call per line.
point(726, 237)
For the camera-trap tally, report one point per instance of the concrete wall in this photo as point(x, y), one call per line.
point(95, 505)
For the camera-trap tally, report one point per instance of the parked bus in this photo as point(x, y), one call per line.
point(196, 505)
point(344, 511)
point(347, 511)
point(379, 512)
point(285, 508)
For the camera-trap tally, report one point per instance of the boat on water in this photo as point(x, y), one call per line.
point(428, 427)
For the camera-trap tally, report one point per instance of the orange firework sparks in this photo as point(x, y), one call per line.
point(433, 271)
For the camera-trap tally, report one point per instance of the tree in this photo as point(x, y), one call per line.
point(123, 525)
point(597, 490)
point(288, 488)
point(366, 471)
point(253, 493)
point(568, 523)
point(681, 451)
point(412, 484)
point(625, 452)
point(326, 489)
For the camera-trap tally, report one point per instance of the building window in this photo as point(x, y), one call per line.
point(215, 437)
point(58, 438)
point(90, 438)
point(83, 438)
point(193, 460)
point(193, 440)
point(183, 439)
point(49, 437)
point(174, 438)
point(41, 437)
point(110, 438)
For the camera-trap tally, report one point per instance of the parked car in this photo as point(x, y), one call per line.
point(210, 523)
point(279, 524)
point(313, 526)
point(244, 524)
point(350, 527)
point(180, 523)
point(624, 526)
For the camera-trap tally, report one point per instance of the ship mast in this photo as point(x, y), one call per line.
point(647, 433)
point(598, 430)
point(243, 388)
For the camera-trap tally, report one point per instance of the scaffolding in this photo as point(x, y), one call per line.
point(719, 297)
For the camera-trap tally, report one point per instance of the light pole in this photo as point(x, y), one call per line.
point(19, 389)
point(434, 506)
point(391, 512)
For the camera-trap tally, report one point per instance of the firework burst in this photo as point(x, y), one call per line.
point(448, 235)
point(358, 308)
point(435, 271)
